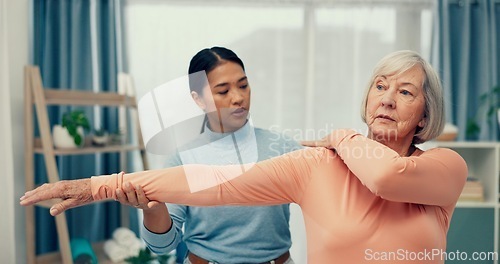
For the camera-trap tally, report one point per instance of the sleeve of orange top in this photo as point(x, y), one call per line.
point(436, 177)
point(275, 181)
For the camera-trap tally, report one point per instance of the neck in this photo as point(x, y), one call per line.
point(404, 147)
point(218, 127)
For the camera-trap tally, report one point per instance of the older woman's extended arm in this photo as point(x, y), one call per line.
point(276, 181)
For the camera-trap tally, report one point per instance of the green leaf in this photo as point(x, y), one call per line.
point(163, 259)
point(72, 120)
point(78, 139)
point(472, 129)
point(143, 257)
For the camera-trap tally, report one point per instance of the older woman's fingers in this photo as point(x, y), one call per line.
point(73, 193)
point(64, 205)
point(58, 208)
point(30, 196)
point(45, 192)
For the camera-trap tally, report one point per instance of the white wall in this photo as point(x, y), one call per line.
point(13, 56)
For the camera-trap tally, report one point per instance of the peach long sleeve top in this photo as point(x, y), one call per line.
point(361, 203)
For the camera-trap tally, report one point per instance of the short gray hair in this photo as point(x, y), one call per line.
point(399, 62)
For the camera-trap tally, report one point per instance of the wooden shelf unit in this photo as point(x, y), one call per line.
point(39, 97)
point(483, 162)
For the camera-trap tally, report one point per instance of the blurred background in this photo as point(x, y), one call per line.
point(308, 63)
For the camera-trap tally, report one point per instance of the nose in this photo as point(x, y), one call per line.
point(237, 96)
point(388, 100)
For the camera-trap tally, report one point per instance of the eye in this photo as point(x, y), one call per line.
point(379, 87)
point(244, 86)
point(406, 92)
point(223, 92)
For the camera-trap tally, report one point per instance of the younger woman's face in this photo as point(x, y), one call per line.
point(227, 98)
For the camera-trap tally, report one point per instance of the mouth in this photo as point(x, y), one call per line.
point(385, 117)
point(239, 112)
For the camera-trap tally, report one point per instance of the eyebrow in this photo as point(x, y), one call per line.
point(408, 83)
point(402, 84)
point(380, 77)
point(225, 83)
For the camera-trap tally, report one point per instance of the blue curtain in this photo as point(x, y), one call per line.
point(62, 48)
point(466, 51)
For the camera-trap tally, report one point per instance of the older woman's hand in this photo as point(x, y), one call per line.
point(330, 141)
point(135, 196)
point(73, 193)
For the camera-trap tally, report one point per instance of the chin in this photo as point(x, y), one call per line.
point(384, 134)
point(234, 124)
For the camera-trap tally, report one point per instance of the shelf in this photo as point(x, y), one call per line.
point(482, 158)
point(475, 205)
point(482, 163)
point(464, 144)
point(88, 148)
point(72, 97)
point(37, 100)
point(91, 150)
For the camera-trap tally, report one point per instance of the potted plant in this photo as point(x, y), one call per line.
point(490, 100)
point(145, 256)
point(117, 138)
point(70, 133)
point(100, 137)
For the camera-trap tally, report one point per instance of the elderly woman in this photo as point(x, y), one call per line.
point(364, 198)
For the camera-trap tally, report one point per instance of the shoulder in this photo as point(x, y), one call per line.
point(264, 134)
point(314, 157)
point(173, 160)
point(275, 141)
point(448, 157)
point(443, 153)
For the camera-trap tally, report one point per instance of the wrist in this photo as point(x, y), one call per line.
point(156, 210)
point(339, 135)
point(157, 219)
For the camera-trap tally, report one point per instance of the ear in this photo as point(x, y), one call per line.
point(422, 122)
point(198, 100)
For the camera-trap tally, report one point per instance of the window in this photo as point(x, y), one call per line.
point(308, 62)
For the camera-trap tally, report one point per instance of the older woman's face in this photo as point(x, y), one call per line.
point(395, 105)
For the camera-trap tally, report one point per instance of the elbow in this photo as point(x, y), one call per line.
point(387, 180)
point(382, 183)
point(159, 251)
point(162, 250)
